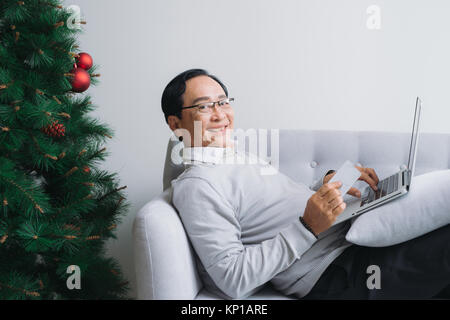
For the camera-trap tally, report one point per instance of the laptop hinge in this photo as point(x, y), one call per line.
point(407, 177)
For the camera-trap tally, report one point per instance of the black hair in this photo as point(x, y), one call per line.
point(172, 98)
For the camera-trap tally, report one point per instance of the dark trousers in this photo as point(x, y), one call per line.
point(416, 269)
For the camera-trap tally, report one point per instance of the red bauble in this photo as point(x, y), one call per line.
point(55, 130)
point(84, 61)
point(81, 80)
point(86, 169)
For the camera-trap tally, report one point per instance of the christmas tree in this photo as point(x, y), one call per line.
point(57, 208)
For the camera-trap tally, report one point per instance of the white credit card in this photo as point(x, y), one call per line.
point(348, 175)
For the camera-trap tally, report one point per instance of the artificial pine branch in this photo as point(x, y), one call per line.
point(25, 193)
point(111, 192)
point(48, 207)
point(22, 290)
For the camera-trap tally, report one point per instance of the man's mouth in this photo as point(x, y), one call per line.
point(218, 130)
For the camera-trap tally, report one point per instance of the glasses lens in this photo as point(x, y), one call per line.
point(223, 102)
point(206, 107)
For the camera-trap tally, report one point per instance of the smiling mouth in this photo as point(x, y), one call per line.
point(218, 130)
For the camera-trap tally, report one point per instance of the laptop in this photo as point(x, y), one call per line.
point(390, 188)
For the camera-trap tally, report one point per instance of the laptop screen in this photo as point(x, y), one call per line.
point(414, 137)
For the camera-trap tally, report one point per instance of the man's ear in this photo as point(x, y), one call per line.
point(173, 122)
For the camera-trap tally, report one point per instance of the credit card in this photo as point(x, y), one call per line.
point(348, 175)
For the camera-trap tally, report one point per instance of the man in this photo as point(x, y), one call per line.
point(248, 229)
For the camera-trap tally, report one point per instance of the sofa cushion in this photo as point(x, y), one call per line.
point(164, 258)
point(424, 208)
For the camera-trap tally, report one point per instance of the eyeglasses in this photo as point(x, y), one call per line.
point(207, 107)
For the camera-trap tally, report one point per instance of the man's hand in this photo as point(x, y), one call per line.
point(367, 174)
point(323, 207)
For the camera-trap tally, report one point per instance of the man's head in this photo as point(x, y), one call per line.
point(194, 89)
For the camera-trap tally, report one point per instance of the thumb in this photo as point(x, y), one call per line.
point(328, 177)
point(337, 184)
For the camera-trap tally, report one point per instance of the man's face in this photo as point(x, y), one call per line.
point(199, 90)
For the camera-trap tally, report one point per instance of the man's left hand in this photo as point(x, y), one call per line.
point(367, 174)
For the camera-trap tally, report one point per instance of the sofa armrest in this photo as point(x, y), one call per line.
point(164, 259)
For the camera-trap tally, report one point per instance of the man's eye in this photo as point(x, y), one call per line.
point(201, 107)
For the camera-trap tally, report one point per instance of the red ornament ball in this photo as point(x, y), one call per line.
point(84, 61)
point(55, 130)
point(86, 169)
point(81, 80)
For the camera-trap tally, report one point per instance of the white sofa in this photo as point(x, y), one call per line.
point(164, 259)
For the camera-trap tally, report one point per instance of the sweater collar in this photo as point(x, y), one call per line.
point(213, 155)
point(220, 155)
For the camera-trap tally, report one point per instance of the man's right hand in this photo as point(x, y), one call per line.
point(323, 207)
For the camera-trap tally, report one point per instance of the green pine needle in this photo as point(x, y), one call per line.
point(55, 202)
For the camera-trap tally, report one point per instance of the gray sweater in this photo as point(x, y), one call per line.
point(245, 230)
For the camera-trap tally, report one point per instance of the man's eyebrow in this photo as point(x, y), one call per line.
point(206, 98)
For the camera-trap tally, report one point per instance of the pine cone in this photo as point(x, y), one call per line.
point(55, 130)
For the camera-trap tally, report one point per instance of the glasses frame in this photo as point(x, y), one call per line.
point(214, 104)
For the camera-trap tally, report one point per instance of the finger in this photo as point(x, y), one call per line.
point(330, 189)
point(329, 186)
point(354, 192)
point(332, 194)
point(331, 174)
point(335, 202)
point(339, 209)
point(365, 177)
point(328, 177)
point(373, 175)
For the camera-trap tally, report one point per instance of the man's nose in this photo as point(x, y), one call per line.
point(218, 111)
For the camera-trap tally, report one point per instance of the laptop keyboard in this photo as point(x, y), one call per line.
point(385, 187)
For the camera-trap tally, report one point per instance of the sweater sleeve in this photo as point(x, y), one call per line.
point(212, 226)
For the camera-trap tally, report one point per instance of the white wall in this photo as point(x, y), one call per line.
point(290, 64)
